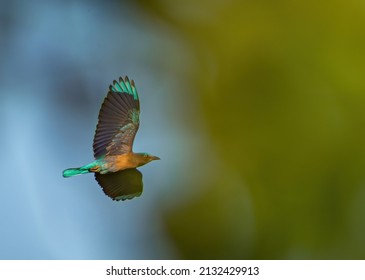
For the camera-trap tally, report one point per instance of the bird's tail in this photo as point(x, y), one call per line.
point(75, 171)
point(91, 167)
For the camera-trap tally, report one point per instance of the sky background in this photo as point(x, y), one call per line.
point(256, 109)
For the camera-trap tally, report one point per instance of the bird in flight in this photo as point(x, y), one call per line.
point(115, 163)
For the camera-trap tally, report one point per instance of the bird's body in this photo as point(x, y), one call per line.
point(119, 162)
point(117, 126)
point(109, 164)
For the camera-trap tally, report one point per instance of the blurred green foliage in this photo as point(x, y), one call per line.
point(281, 88)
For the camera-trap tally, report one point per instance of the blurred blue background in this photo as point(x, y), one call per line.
point(57, 61)
point(256, 109)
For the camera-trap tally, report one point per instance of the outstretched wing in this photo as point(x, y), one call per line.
point(121, 185)
point(118, 120)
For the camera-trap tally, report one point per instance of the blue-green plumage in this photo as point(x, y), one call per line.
point(81, 170)
point(124, 86)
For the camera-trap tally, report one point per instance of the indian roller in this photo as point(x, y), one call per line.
point(115, 163)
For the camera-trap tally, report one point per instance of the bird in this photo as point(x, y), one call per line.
point(115, 162)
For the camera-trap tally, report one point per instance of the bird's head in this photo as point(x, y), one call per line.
point(144, 158)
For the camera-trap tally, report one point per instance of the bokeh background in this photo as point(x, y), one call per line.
point(257, 109)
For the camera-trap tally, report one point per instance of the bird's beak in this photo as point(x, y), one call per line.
point(154, 158)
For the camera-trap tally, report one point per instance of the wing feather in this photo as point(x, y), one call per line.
point(118, 120)
point(121, 185)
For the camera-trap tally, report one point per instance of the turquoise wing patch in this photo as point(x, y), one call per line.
point(124, 86)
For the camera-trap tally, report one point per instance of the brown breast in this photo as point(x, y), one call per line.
point(120, 162)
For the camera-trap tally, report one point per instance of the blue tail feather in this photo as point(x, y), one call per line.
point(74, 171)
point(80, 170)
